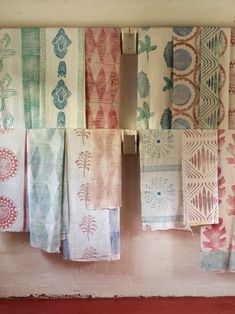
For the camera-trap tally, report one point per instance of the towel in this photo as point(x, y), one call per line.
point(45, 187)
point(13, 215)
point(186, 59)
point(93, 234)
point(161, 179)
point(102, 77)
point(208, 111)
point(105, 174)
point(155, 62)
point(200, 180)
point(218, 240)
point(42, 70)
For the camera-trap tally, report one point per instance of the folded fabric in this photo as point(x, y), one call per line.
point(13, 216)
point(45, 187)
point(186, 60)
point(155, 62)
point(161, 179)
point(218, 240)
point(105, 173)
point(102, 77)
point(92, 234)
point(42, 70)
point(232, 81)
point(208, 111)
point(200, 180)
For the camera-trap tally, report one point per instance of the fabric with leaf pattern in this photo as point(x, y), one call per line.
point(218, 240)
point(93, 234)
point(155, 84)
point(161, 179)
point(42, 77)
point(11, 91)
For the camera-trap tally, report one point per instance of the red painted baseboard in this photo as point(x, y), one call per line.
point(187, 305)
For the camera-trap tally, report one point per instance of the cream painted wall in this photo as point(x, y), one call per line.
point(152, 263)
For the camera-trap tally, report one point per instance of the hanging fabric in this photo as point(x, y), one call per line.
point(105, 174)
point(200, 181)
point(223, 119)
point(208, 111)
point(186, 73)
point(218, 240)
point(42, 70)
point(13, 216)
point(161, 179)
point(232, 81)
point(155, 84)
point(45, 187)
point(102, 77)
point(93, 234)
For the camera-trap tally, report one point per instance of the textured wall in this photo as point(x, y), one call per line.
point(152, 263)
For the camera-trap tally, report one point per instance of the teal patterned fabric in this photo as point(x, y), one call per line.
point(45, 187)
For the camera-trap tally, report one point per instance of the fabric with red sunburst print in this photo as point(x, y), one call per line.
point(12, 185)
point(218, 240)
point(102, 77)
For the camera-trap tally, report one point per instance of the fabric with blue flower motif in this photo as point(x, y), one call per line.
point(161, 179)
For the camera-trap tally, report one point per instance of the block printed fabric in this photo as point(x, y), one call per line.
point(161, 179)
point(232, 81)
point(218, 240)
point(208, 111)
point(42, 77)
point(200, 180)
point(102, 47)
point(186, 72)
point(45, 187)
point(105, 174)
point(155, 62)
point(93, 234)
point(13, 216)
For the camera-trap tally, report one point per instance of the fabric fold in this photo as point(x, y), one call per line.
point(200, 180)
point(13, 214)
point(161, 179)
point(45, 187)
point(155, 62)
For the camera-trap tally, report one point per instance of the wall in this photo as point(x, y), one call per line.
point(152, 263)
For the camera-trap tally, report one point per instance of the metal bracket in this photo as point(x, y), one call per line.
point(129, 40)
point(129, 142)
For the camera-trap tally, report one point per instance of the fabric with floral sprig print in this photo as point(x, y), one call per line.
point(161, 179)
point(13, 216)
point(93, 233)
point(218, 240)
point(154, 94)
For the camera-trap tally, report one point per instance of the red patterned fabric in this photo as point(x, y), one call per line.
point(102, 77)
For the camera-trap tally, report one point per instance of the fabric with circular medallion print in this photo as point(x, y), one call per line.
point(161, 179)
point(232, 81)
point(186, 67)
point(12, 181)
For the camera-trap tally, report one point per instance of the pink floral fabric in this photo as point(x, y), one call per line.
point(218, 240)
